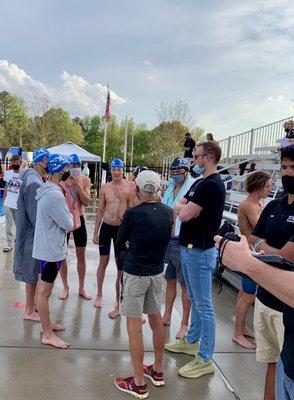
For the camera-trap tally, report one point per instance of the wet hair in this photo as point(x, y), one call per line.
point(288, 152)
point(213, 149)
point(15, 158)
point(256, 181)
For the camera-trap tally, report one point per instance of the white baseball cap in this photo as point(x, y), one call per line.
point(148, 181)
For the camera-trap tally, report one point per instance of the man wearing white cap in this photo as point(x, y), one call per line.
point(147, 230)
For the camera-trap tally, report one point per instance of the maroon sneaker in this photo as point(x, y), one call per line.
point(128, 385)
point(157, 378)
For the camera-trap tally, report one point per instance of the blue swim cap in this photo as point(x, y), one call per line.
point(117, 163)
point(39, 154)
point(74, 159)
point(56, 163)
point(180, 163)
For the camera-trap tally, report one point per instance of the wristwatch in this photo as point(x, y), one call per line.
point(257, 244)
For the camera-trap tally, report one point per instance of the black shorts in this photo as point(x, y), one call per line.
point(80, 234)
point(107, 232)
point(49, 270)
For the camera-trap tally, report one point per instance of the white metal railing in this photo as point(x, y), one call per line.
point(244, 143)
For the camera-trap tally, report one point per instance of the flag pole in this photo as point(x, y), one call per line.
point(126, 141)
point(106, 117)
point(104, 141)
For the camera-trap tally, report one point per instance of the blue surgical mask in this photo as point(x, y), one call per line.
point(178, 178)
point(198, 170)
point(74, 171)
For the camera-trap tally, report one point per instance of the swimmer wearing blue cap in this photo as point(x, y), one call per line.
point(106, 228)
point(77, 193)
point(25, 267)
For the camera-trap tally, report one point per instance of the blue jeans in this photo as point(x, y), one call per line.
point(198, 269)
point(284, 384)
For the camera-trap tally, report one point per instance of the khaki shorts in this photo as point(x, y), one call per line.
point(141, 294)
point(269, 333)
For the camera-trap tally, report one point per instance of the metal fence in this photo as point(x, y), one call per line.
point(260, 140)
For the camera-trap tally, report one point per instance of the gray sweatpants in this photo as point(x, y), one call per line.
point(10, 221)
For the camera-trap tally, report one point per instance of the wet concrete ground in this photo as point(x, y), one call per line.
point(99, 346)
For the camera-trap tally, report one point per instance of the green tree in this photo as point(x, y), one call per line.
point(93, 134)
point(14, 121)
point(54, 127)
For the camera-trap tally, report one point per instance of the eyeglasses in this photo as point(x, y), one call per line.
point(198, 155)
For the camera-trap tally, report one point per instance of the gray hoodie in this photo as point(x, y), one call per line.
point(52, 224)
point(26, 268)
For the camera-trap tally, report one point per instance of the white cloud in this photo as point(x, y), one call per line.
point(147, 63)
point(75, 93)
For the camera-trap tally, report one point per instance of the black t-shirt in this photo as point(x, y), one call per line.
point(191, 144)
point(147, 227)
point(276, 226)
point(290, 134)
point(287, 354)
point(210, 194)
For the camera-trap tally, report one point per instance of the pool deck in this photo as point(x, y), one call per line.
point(99, 346)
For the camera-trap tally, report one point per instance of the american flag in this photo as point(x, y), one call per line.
point(106, 115)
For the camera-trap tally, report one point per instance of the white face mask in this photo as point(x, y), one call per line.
point(74, 171)
point(198, 170)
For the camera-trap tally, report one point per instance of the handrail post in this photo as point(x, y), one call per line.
point(229, 148)
point(251, 141)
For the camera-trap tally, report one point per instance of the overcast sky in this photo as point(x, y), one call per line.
point(231, 61)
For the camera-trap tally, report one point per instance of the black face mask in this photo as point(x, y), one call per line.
point(15, 167)
point(287, 130)
point(288, 184)
point(65, 176)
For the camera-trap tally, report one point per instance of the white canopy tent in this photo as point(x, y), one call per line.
point(69, 148)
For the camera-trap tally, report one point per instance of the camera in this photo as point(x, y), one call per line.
point(271, 259)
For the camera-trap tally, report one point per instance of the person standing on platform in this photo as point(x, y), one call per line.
point(258, 187)
point(200, 212)
point(25, 268)
point(106, 228)
point(53, 221)
point(189, 146)
point(273, 234)
point(77, 193)
point(147, 229)
point(178, 186)
point(11, 192)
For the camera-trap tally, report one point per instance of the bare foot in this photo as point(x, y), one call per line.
point(55, 341)
point(166, 320)
point(64, 294)
point(33, 316)
point(98, 303)
point(182, 332)
point(56, 327)
point(85, 295)
point(240, 339)
point(114, 313)
point(248, 332)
